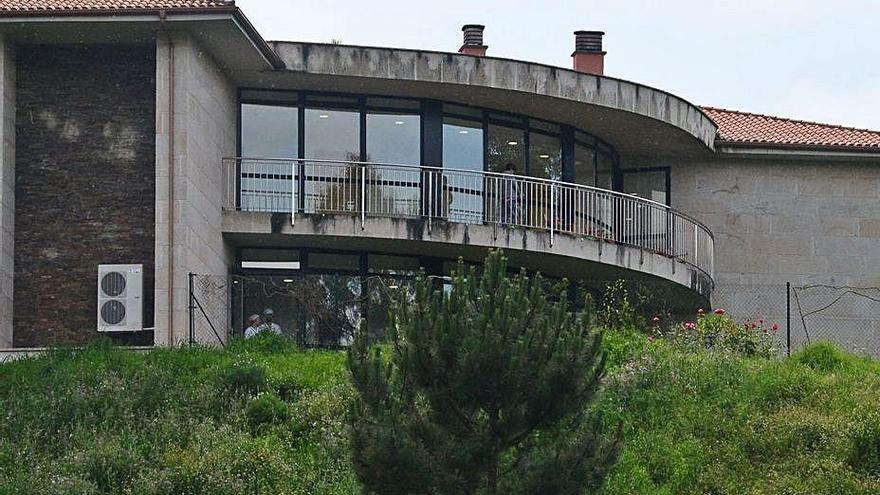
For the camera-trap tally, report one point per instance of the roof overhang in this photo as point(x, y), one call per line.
point(224, 32)
point(800, 152)
point(635, 119)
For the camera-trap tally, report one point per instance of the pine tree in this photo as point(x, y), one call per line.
point(487, 389)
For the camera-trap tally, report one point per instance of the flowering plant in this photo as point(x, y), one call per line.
point(716, 330)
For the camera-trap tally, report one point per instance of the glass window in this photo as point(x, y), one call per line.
point(649, 184)
point(269, 96)
point(463, 150)
point(393, 265)
point(269, 131)
point(545, 156)
point(463, 111)
point(394, 138)
point(462, 144)
point(334, 261)
point(506, 145)
point(333, 134)
point(604, 171)
point(584, 165)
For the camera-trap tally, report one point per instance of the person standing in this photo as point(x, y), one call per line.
point(252, 329)
point(268, 322)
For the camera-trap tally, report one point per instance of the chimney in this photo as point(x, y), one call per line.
point(473, 40)
point(588, 56)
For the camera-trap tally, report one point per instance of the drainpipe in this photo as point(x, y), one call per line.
point(171, 172)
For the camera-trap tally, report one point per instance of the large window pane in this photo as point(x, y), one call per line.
point(506, 145)
point(584, 165)
point(545, 156)
point(394, 138)
point(463, 150)
point(331, 135)
point(647, 184)
point(605, 170)
point(267, 132)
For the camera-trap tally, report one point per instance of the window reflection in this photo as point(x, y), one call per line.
point(267, 132)
point(545, 156)
point(331, 135)
point(394, 139)
point(463, 150)
point(506, 145)
point(584, 165)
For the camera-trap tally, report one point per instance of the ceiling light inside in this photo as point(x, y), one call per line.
point(462, 132)
point(399, 122)
point(323, 116)
point(544, 156)
point(512, 143)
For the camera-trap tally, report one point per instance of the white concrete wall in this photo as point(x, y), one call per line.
point(7, 188)
point(782, 220)
point(204, 132)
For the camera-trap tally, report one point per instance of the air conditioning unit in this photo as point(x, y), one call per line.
point(120, 298)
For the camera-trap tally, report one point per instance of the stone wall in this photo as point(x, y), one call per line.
point(776, 220)
point(7, 189)
point(205, 116)
point(84, 184)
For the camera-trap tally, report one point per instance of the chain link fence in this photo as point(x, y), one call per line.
point(327, 310)
point(314, 310)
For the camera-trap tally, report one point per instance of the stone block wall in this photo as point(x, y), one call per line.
point(777, 220)
point(204, 125)
point(84, 184)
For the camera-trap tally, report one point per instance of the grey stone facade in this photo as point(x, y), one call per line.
point(84, 184)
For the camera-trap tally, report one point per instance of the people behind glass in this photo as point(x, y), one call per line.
point(258, 324)
point(509, 196)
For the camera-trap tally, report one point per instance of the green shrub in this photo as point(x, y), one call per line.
point(865, 438)
point(244, 376)
point(266, 410)
point(263, 343)
point(825, 357)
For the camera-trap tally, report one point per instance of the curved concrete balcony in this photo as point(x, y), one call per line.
point(558, 228)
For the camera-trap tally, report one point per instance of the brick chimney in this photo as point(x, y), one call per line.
point(473, 40)
point(588, 56)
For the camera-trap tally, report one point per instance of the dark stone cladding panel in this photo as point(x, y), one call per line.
point(84, 185)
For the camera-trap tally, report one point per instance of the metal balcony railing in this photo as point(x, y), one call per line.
point(475, 197)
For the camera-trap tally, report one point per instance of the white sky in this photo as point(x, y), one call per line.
point(808, 59)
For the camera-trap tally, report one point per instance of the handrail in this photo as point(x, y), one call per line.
point(305, 185)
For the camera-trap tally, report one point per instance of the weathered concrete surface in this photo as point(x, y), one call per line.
point(778, 220)
point(7, 189)
point(204, 132)
point(626, 114)
point(569, 256)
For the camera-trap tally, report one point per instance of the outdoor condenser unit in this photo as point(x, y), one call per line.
point(120, 298)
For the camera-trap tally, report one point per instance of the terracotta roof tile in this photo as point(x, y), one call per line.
point(61, 6)
point(743, 127)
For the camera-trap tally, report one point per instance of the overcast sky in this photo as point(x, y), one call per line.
point(808, 59)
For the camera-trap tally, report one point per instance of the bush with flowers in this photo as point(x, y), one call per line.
point(716, 330)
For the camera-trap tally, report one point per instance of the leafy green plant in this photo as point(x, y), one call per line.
point(266, 409)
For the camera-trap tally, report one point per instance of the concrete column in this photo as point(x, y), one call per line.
point(7, 188)
point(189, 191)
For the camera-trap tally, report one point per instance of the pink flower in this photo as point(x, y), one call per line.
point(701, 312)
point(690, 325)
point(775, 327)
point(655, 319)
point(719, 311)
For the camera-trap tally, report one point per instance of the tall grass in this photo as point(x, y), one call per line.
point(263, 417)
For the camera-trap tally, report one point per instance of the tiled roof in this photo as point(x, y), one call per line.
point(751, 128)
point(62, 6)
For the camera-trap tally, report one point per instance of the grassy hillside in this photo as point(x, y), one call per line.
point(267, 418)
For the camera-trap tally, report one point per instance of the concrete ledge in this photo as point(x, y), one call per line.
point(569, 256)
point(607, 104)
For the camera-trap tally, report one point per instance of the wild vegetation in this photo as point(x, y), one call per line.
point(704, 409)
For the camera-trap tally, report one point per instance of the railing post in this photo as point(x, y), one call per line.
point(696, 247)
point(363, 172)
point(294, 187)
point(552, 211)
point(430, 205)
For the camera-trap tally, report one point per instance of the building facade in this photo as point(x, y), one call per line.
point(171, 136)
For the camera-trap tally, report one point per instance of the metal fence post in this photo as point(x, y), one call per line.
point(192, 306)
point(552, 211)
point(788, 318)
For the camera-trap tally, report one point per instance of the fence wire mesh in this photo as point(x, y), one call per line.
point(327, 310)
point(314, 310)
point(846, 316)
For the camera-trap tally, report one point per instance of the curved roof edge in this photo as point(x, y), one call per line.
point(498, 73)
